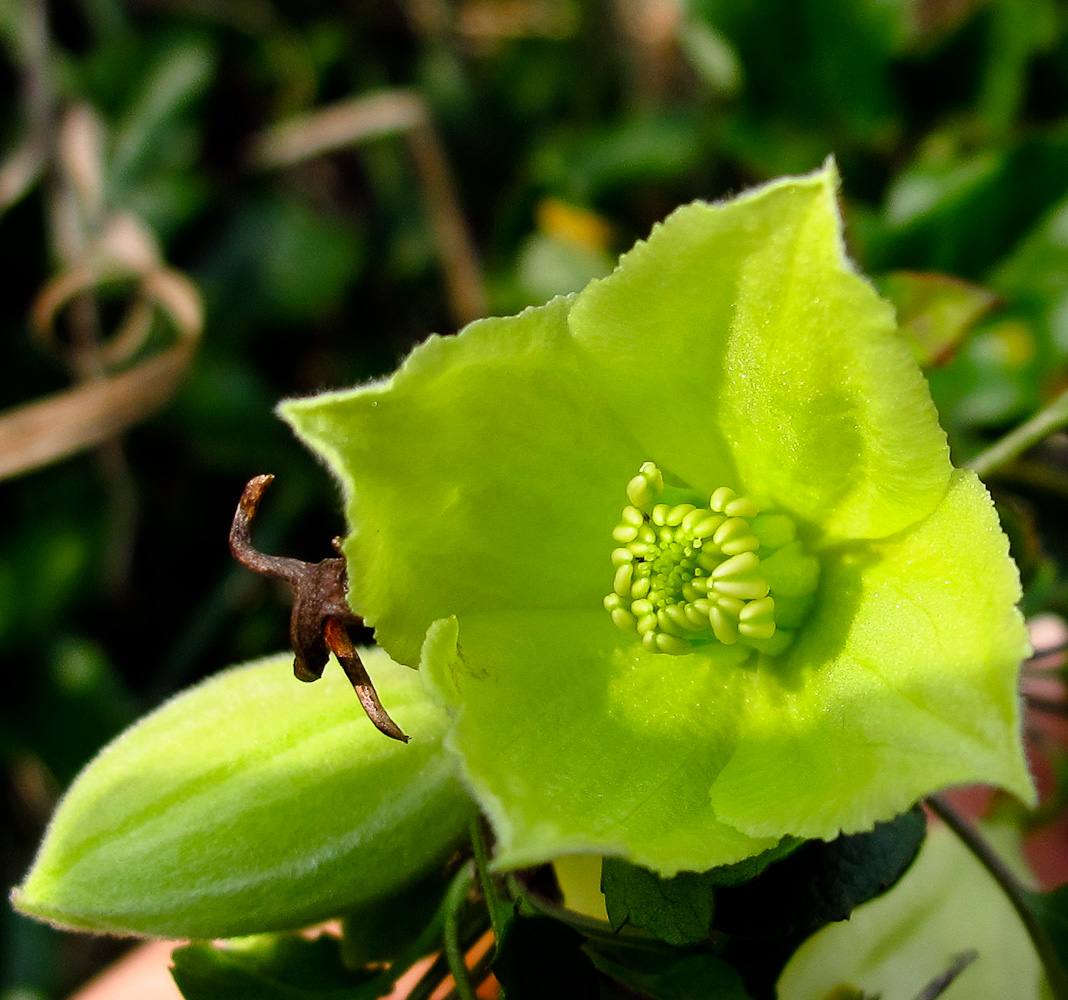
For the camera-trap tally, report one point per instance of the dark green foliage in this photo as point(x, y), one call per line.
point(821, 882)
point(276, 968)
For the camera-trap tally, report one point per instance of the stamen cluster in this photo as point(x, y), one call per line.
point(687, 574)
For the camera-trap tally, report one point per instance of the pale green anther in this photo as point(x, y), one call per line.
point(723, 496)
point(756, 630)
point(746, 543)
point(646, 486)
point(670, 644)
point(736, 565)
point(679, 513)
point(747, 590)
point(668, 624)
point(697, 618)
point(694, 575)
point(676, 613)
point(742, 507)
point(733, 527)
point(761, 610)
point(707, 526)
point(724, 626)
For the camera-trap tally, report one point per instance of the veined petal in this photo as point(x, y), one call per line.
point(741, 348)
point(903, 681)
point(577, 741)
point(484, 475)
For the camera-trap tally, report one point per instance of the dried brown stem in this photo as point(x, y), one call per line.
point(321, 614)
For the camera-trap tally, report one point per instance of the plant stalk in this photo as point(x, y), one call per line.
point(1030, 432)
point(1014, 890)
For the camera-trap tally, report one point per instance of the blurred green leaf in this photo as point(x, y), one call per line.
point(277, 260)
point(893, 946)
point(271, 968)
point(382, 928)
point(935, 311)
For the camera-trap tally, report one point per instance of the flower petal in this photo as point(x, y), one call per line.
point(578, 743)
point(485, 474)
point(741, 348)
point(902, 682)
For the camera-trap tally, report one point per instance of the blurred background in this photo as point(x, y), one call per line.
point(207, 206)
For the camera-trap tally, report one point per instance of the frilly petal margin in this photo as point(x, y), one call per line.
point(475, 477)
point(917, 692)
point(785, 378)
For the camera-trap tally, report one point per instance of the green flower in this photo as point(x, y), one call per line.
point(810, 617)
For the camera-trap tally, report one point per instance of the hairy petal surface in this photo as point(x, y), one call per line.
point(742, 349)
point(903, 681)
point(576, 743)
point(475, 478)
point(251, 803)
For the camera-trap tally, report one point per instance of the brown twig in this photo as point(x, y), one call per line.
point(321, 614)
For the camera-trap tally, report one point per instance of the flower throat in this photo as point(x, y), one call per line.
point(688, 575)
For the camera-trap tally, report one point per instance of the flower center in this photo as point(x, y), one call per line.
point(687, 575)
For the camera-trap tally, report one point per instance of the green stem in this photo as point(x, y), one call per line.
point(479, 973)
point(1048, 419)
point(454, 951)
point(495, 900)
point(1015, 891)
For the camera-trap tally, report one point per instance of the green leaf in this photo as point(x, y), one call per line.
point(945, 905)
point(821, 882)
point(251, 803)
point(935, 311)
point(271, 968)
point(377, 931)
point(677, 910)
point(689, 977)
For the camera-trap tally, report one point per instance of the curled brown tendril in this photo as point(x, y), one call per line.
point(321, 615)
